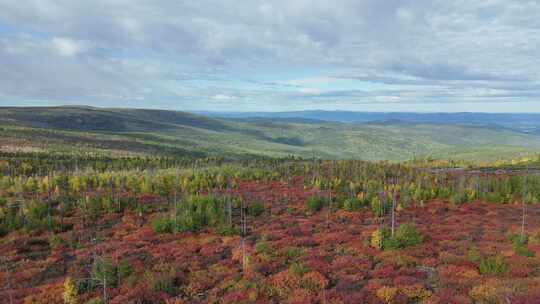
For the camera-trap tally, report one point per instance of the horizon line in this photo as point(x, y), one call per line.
point(261, 111)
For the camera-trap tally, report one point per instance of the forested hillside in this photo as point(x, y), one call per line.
point(527, 122)
point(170, 133)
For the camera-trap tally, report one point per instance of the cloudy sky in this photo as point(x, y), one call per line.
point(227, 55)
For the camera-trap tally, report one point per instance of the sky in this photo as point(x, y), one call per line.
point(279, 55)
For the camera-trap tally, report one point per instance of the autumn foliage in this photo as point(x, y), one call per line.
point(268, 232)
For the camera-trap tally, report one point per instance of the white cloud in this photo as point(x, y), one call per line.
point(323, 80)
point(310, 91)
point(67, 47)
point(387, 99)
point(222, 97)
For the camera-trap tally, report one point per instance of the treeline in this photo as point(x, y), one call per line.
point(46, 163)
point(353, 180)
point(38, 163)
point(28, 199)
point(366, 181)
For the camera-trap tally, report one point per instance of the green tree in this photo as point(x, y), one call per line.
point(104, 271)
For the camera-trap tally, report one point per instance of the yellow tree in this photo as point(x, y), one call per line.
point(70, 292)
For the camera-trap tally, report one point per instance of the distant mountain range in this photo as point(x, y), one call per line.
point(519, 121)
point(368, 136)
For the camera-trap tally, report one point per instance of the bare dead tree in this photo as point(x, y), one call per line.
point(243, 239)
point(175, 201)
point(524, 205)
point(393, 209)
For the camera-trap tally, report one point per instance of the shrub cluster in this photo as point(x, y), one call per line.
point(354, 204)
point(105, 272)
point(493, 265)
point(519, 245)
point(162, 279)
point(380, 207)
point(405, 236)
point(316, 203)
point(196, 212)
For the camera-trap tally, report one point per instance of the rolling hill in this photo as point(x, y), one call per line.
point(159, 132)
point(527, 122)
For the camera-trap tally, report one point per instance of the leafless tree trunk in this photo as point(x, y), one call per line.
point(243, 241)
point(105, 300)
point(329, 206)
point(523, 220)
point(393, 213)
point(175, 215)
point(524, 206)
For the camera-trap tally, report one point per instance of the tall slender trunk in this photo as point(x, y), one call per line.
point(524, 206)
point(393, 214)
point(175, 212)
point(523, 221)
point(105, 300)
point(243, 241)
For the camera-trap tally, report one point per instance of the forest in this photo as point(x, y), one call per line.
point(144, 132)
point(81, 228)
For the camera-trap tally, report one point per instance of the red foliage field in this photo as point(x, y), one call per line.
point(292, 256)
